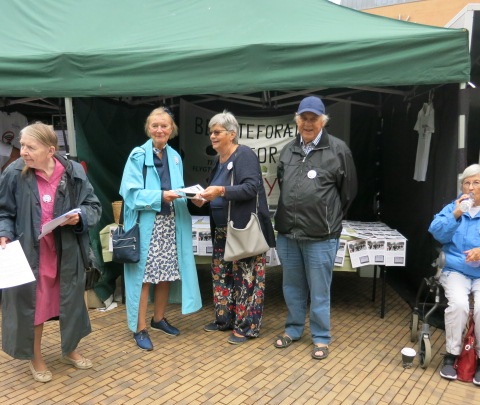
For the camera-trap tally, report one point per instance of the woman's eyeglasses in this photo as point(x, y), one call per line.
point(474, 184)
point(216, 133)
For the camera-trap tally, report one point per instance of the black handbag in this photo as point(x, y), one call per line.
point(126, 244)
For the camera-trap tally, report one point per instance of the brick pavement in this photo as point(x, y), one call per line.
point(364, 366)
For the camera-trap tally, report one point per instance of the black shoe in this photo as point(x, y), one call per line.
point(236, 340)
point(211, 327)
point(163, 326)
point(476, 377)
point(448, 371)
point(215, 327)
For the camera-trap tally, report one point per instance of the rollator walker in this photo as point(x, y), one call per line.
point(430, 287)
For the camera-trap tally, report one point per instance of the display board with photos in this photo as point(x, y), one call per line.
point(371, 244)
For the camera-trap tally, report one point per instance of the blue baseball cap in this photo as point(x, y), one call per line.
point(311, 104)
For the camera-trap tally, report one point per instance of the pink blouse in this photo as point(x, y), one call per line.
point(48, 284)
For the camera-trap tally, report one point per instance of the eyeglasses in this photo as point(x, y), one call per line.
point(474, 184)
point(216, 133)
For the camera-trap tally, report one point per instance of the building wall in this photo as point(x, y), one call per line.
point(429, 12)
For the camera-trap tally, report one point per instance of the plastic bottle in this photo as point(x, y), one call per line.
point(466, 204)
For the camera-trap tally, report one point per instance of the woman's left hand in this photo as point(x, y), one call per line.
point(72, 219)
point(211, 192)
point(473, 255)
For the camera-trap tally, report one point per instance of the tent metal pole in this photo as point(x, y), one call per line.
point(72, 140)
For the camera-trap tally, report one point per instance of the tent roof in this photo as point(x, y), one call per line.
point(74, 48)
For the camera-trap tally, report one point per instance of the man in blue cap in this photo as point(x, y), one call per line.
point(318, 182)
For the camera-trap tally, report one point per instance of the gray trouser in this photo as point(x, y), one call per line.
point(457, 289)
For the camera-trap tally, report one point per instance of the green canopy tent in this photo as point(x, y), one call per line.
point(74, 48)
point(162, 49)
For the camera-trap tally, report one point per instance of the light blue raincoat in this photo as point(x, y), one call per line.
point(142, 204)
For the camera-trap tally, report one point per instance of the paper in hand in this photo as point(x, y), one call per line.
point(190, 192)
point(14, 267)
point(50, 226)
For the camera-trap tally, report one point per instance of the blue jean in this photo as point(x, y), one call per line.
point(307, 268)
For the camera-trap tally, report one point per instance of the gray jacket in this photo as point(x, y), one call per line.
point(20, 218)
point(315, 190)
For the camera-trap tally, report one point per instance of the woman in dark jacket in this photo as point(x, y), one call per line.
point(33, 191)
point(239, 286)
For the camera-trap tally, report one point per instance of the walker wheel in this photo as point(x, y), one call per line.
point(414, 328)
point(425, 351)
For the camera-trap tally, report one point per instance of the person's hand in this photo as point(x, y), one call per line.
point(472, 255)
point(457, 212)
point(169, 196)
point(198, 200)
point(212, 192)
point(3, 241)
point(72, 219)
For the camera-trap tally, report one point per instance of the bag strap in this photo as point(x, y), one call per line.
point(471, 326)
point(144, 172)
point(229, 203)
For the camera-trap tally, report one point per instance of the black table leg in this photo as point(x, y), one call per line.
point(374, 289)
point(383, 275)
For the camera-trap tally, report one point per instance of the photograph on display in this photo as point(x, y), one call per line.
point(376, 249)
point(340, 257)
point(396, 252)
point(194, 242)
point(201, 236)
point(358, 251)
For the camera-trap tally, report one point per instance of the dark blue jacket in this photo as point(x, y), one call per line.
point(247, 181)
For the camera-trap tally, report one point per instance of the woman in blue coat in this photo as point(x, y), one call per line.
point(166, 254)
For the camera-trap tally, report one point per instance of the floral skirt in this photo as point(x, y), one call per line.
point(162, 259)
point(238, 289)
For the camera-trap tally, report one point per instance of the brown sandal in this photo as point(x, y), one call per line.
point(320, 352)
point(285, 341)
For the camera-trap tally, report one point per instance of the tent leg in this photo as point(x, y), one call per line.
point(72, 141)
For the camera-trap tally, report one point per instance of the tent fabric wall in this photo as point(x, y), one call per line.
point(73, 48)
point(408, 205)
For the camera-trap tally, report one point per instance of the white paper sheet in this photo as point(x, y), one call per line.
point(14, 267)
point(50, 226)
point(190, 192)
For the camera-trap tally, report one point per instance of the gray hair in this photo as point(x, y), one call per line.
point(228, 121)
point(324, 118)
point(470, 171)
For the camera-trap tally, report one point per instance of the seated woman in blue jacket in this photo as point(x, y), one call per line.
point(459, 232)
